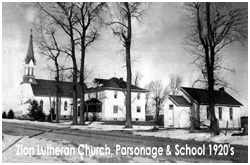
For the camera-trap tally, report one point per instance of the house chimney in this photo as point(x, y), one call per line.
point(222, 89)
point(121, 78)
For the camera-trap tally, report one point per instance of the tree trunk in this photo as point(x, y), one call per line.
point(128, 95)
point(75, 114)
point(82, 107)
point(57, 93)
point(156, 111)
point(129, 72)
point(51, 115)
point(214, 124)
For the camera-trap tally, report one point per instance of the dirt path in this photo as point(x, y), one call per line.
point(125, 139)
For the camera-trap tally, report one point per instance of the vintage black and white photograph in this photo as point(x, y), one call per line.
point(125, 82)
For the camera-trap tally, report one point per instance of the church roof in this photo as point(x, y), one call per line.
point(30, 54)
point(48, 88)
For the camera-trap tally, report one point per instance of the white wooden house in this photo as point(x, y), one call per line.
point(112, 94)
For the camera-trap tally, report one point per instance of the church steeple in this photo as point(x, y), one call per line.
point(29, 64)
point(30, 54)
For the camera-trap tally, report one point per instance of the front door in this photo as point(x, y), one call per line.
point(171, 115)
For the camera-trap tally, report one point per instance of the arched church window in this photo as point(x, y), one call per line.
point(65, 105)
point(41, 103)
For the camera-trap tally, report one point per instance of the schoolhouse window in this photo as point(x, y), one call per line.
point(115, 94)
point(220, 113)
point(138, 96)
point(208, 113)
point(65, 105)
point(171, 107)
point(231, 113)
point(115, 109)
point(138, 109)
point(41, 103)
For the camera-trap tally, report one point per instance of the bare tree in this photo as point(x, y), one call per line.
point(175, 84)
point(159, 94)
point(50, 48)
point(88, 18)
point(122, 28)
point(147, 98)
point(137, 77)
point(62, 14)
point(216, 25)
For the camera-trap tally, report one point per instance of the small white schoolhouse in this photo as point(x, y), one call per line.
point(193, 102)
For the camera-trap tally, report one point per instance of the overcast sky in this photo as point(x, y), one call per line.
point(157, 50)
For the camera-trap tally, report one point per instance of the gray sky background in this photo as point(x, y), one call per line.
point(157, 48)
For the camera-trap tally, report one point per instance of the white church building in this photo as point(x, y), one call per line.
point(105, 100)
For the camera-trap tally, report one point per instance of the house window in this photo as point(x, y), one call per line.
point(138, 96)
point(65, 106)
point(41, 103)
point(171, 107)
point(138, 109)
point(115, 109)
point(208, 113)
point(115, 94)
point(231, 113)
point(220, 113)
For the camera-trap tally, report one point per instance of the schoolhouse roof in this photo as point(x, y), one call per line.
point(48, 88)
point(221, 97)
point(179, 101)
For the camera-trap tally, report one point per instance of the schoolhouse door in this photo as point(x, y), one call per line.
point(171, 115)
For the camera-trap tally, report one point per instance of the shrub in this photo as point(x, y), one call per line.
point(36, 111)
point(4, 116)
point(49, 115)
point(11, 114)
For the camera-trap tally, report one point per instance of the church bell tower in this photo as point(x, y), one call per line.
point(29, 64)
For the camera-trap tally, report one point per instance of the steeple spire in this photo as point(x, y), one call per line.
point(29, 64)
point(30, 54)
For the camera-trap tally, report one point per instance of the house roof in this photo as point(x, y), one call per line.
point(179, 101)
point(30, 54)
point(93, 101)
point(48, 88)
point(114, 83)
point(221, 97)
